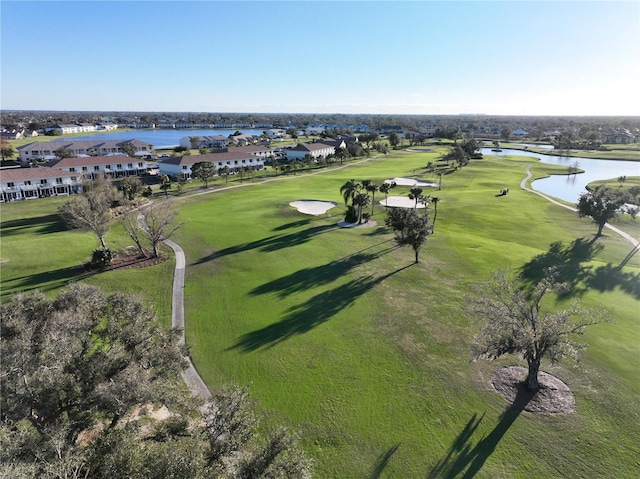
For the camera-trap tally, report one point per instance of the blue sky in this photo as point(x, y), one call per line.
point(414, 57)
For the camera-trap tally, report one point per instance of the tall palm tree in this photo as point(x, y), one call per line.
point(385, 188)
point(372, 188)
point(360, 200)
point(415, 193)
point(435, 200)
point(349, 190)
point(425, 199)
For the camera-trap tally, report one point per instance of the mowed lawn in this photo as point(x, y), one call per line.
point(339, 336)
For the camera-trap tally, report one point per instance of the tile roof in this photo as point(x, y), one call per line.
point(21, 174)
point(93, 161)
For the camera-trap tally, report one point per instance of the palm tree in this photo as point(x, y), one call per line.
point(435, 200)
point(360, 200)
point(385, 188)
point(622, 179)
point(415, 193)
point(349, 190)
point(372, 188)
point(425, 200)
point(224, 171)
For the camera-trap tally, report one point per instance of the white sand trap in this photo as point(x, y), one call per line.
point(410, 182)
point(401, 202)
point(313, 207)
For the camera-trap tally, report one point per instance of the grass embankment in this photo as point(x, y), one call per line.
point(338, 335)
point(609, 152)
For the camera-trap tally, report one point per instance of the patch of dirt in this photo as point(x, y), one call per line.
point(554, 396)
point(129, 260)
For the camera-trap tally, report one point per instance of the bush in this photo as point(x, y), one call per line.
point(101, 258)
point(147, 193)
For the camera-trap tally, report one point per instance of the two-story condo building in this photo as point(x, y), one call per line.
point(45, 150)
point(31, 183)
point(314, 150)
point(91, 167)
point(234, 159)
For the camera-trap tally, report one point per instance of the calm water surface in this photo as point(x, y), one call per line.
point(569, 187)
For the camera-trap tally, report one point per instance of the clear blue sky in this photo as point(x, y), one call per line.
point(415, 57)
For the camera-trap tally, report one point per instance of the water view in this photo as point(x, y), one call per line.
point(569, 187)
point(161, 138)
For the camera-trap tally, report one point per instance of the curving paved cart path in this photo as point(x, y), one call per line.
point(523, 185)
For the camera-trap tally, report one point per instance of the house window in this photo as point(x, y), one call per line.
point(27, 183)
point(129, 165)
point(73, 178)
point(72, 169)
point(43, 182)
point(96, 168)
point(10, 184)
point(139, 165)
point(84, 168)
point(59, 181)
point(184, 167)
point(244, 161)
point(119, 166)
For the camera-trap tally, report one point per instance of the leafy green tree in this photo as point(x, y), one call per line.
point(165, 184)
point(6, 149)
point(129, 148)
point(601, 204)
point(341, 154)
point(204, 171)
point(64, 152)
point(394, 139)
point(130, 187)
point(516, 321)
point(409, 228)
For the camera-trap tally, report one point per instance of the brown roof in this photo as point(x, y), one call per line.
point(22, 174)
point(93, 161)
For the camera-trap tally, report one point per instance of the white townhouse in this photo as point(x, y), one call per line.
point(213, 141)
point(180, 166)
point(30, 183)
point(315, 150)
point(116, 166)
point(45, 149)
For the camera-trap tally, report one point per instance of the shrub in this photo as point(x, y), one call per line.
point(101, 258)
point(351, 215)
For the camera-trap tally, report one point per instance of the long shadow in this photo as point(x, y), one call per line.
point(609, 277)
point(293, 224)
point(383, 460)
point(302, 318)
point(271, 243)
point(567, 261)
point(462, 460)
point(40, 224)
point(45, 281)
point(307, 278)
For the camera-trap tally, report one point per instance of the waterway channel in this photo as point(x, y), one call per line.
point(569, 187)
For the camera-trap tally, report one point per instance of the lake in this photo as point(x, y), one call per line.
point(160, 138)
point(569, 187)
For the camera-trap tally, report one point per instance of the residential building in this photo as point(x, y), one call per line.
point(234, 158)
point(314, 150)
point(31, 183)
point(45, 150)
point(213, 141)
point(89, 168)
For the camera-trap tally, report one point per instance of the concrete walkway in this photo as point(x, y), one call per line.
point(523, 185)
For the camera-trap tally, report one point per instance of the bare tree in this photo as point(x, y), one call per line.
point(515, 324)
point(130, 224)
point(90, 210)
point(160, 224)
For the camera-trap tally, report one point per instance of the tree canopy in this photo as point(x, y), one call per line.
point(514, 322)
point(204, 171)
point(410, 228)
point(601, 204)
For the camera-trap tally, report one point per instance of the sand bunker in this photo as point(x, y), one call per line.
point(313, 207)
point(401, 202)
point(411, 182)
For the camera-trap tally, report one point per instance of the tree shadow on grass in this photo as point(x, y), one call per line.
point(463, 460)
point(302, 318)
point(308, 278)
point(39, 224)
point(45, 281)
point(567, 261)
point(383, 460)
point(272, 243)
point(609, 277)
point(293, 224)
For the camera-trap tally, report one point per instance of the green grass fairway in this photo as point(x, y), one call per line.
point(338, 335)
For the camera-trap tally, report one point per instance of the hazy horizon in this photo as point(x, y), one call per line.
point(377, 58)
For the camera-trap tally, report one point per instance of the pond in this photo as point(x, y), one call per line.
point(569, 187)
